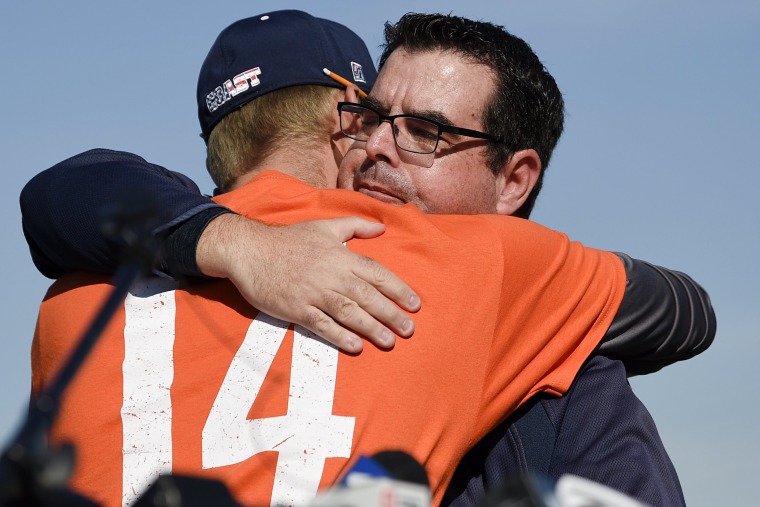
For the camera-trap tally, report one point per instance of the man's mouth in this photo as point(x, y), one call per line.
point(380, 193)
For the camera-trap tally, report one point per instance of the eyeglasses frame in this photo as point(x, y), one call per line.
point(392, 118)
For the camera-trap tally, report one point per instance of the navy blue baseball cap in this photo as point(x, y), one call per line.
point(264, 53)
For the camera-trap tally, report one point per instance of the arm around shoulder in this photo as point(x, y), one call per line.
point(63, 208)
point(665, 317)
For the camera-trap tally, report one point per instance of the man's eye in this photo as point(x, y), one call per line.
point(422, 133)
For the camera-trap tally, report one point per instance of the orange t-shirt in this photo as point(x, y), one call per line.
point(193, 380)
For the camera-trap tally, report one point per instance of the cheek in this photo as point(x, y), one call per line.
point(332, 176)
point(348, 167)
point(463, 190)
point(436, 192)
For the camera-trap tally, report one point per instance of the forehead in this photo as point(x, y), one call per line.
point(438, 82)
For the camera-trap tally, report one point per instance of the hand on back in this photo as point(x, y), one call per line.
point(303, 273)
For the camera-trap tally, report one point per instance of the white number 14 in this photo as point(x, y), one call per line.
point(303, 438)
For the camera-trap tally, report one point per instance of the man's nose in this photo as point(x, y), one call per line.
point(381, 145)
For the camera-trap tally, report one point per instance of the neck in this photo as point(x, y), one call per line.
point(315, 167)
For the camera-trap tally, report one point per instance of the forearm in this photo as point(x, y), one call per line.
point(665, 317)
point(63, 210)
point(178, 255)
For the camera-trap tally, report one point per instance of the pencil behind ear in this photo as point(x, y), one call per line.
point(352, 94)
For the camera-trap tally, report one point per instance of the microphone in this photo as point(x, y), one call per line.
point(173, 490)
point(387, 479)
point(538, 490)
point(574, 491)
point(526, 490)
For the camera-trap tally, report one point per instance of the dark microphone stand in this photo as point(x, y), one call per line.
point(32, 473)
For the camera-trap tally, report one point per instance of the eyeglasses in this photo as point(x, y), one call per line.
point(411, 133)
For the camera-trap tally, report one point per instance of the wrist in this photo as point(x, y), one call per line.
point(178, 257)
point(219, 245)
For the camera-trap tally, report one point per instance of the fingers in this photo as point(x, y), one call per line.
point(370, 271)
point(369, 312)
point(364, 310)
point(354, 227)
point(388, 284)
point(322, 321)
point(323, 325)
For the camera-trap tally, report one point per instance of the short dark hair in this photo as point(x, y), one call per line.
point(526, 110)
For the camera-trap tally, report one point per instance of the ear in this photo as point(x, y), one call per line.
point(519, 176)
point(351, 94)
point(341, 143)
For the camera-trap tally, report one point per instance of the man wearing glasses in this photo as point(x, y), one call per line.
point(375, 167)
point(416, 136)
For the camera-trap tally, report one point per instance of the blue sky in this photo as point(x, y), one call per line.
point(657, 160)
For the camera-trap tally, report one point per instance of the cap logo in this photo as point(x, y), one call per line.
point(231, 88)
point(356, 68)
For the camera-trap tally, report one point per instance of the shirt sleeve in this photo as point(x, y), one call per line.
point(664, 317)
point(64, 210)
point(558, 300)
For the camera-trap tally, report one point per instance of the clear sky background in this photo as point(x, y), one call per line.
point(659, 160)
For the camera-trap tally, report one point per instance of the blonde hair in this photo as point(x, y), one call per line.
point(299, 115)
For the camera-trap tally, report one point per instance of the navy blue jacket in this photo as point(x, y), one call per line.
point(599, 430)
